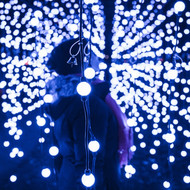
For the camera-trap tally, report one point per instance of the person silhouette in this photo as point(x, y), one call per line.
point(107, 123)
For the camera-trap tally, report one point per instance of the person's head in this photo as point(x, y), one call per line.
point(59, 59)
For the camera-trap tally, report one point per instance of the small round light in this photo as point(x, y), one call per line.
point(94, 146)
point(88, 179)
point(46, 172)
point(139, 24)
point(6, 143)
point(179, 6)
point(53, 151)
point(130, 169)
point(83, 89)
point(89, 73)
point(13, 178)
point(48, 98)
point(89, 1)
point(20, 154)
point(172, 74)
point(154, 166)
point(169, 137)
point(41, 121)
point(166, 184)
point(186, 179)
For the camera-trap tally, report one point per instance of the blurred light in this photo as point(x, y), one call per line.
point(83, 88)
point(40, 121)
point(154, 166)
point(166, 184)
point(53, 151)
point(48, 98)
point(93, 146)
point(20, 154)
point(47, 130)
point(169, 137)
point(186, 179)
point(89, 73)
point(13, 178)
point(139, 24)
point(171, 158)
point(6, 143)
point(179, 7)
point(46, 172)
point(88, 179)
point(172, 74)
point(130, 169)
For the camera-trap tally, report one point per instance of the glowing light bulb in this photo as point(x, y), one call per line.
point(169, 137)
point(166, 184)
point(41, 121)
point(130, 169)
point(48, 98)
point(89, 73)
point(154, 166)
point(139, 24)
point(89, 1)
point(88, 179)
point(53, 151)
point(13, 178)
point(179, 6)
point(46, 172)
point(131, 122)
point(186, 179)
point(172, 74)
point(34, 22)
point(83, 88)
point(94, 146)
point(38, 14)
point(37, 72)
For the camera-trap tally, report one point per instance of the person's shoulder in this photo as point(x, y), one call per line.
point(100, 88)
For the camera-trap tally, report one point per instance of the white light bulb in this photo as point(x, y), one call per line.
point(37, 72)
point(46, 172)
point(41, 121)
point(130, 122)
point(83, 88)
point(34, 22)
point(89, 73)
point(94, 146)
point(172, 74)
point(53, 151)
point(13, 178)
point(186, 179)
point(169, 137)
point(139, 24)
point(179, 6)
point(89, 1)
point(38, 14)
point(48, 98)
point(166, 184)
point(88, 180)
point(130, 169)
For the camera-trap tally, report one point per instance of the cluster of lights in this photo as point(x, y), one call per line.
point(150, 77)
point(23, 52)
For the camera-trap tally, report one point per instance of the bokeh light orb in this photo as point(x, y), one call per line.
point(94, 146)
point(46, 172)
point(83, 88)
point(179, 7)
point(88, 179)
point(53, 151)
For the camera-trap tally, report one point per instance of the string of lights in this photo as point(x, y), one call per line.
point(30, 31)
point(152, 89)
